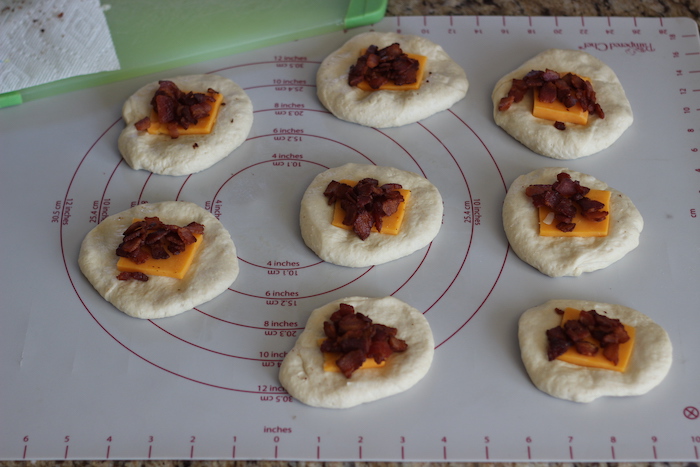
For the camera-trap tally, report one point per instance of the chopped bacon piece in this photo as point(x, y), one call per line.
point(139, 276)
point(397, 345)
point(351, 361)
point(598, 110)
point(195, 228)
point(567, 187)
point(550, 75)
point(172, 130)
point(381, 350)
point(587, 318)
point(558, 342)
point(548, 93)
point(576, 331)
point(362, 225)
point(357, 338)
point(506, 102)
point(379, 66)
point(143, 124)
point(165, 108)
point(591, 209)
point(151, 238)
point(565, 197)
point(566, 226)
point(612, 353)
point(533, 190)
point(158, 251)
point(586, 348)
point(365, 204)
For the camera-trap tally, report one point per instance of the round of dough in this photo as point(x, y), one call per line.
point(650, 361)
point(213, 270)
point(568, 256)
point(302, 374)
point(444, 83)
point(421, 223)
point(575, 141)
point(186, 154)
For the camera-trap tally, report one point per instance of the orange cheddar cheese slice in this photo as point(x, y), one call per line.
point(390, 224)
point(597, 360)
point(175, 266)
point(203, 126)
point(584, 227)
point(557, 111)
point(329, 359)
point(422, 60)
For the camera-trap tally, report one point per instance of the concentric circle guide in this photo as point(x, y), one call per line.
point(256, 192)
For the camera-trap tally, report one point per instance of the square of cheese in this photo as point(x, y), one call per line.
point(390, 86)
point(584, 227)
point(390, 224)
point(203, 126)
point(598, 360)
point(175, 266)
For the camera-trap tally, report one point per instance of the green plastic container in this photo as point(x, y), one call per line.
point(155, 35)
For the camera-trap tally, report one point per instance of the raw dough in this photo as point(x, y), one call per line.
point(302, 373)
point(189, 153)
point(213, 270)
point(421, 223)
point(444, 83)
point(648, 366)
point(577, 140)
point(568, 256)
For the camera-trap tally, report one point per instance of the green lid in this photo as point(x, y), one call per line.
point(155, 35)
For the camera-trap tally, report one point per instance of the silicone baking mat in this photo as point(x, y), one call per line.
point(80, 380)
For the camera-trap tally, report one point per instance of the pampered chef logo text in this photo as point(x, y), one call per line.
point(630, 47)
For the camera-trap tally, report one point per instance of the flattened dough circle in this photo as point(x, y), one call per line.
point(576, 141)
point(302, 374)
point(568, 256)
point(444, 83)
point(421, 223)
point(650, 362)
point(213, 270)
point(188, 153)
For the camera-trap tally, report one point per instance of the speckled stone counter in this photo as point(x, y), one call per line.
point(180, 463)
point(636, 8)
point(650, 8)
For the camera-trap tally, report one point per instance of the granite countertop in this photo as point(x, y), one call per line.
point(650, 8)
point(644, 8)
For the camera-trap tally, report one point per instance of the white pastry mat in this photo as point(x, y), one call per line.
point(82, 380)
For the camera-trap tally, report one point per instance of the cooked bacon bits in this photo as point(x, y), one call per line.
point(565, 197)
point(151, 238)
point(143, 124)
point(365, 204)
point(138, 276)
point(609, 333)
point(357, 338)
point(177, 109)
point(557, 342)
point(380, 66)
point(568, 89)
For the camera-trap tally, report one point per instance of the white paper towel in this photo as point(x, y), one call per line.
point(43, 41)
